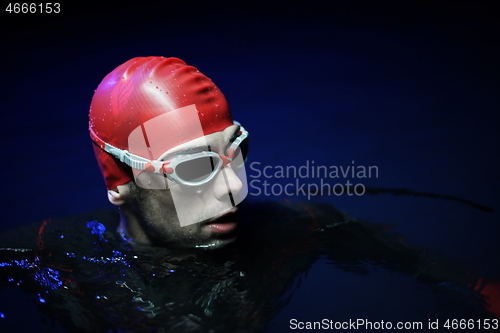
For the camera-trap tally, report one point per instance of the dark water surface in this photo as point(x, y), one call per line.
point(82, 275)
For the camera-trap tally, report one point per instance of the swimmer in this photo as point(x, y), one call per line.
point(171, 154)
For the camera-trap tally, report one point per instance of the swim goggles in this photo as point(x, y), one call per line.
point(187, 169)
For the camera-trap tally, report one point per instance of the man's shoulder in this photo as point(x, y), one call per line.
point(29, 236)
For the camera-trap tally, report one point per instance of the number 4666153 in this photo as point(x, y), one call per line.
point(26, 8)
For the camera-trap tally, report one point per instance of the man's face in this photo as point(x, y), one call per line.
point(158, 210)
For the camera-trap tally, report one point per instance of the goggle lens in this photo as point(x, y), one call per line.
point(196, 170)
point(202, 168)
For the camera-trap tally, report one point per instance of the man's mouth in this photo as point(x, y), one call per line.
point(224, 223)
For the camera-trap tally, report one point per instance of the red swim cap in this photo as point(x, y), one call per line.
point(142, 89)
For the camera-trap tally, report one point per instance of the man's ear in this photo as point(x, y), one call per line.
point(119, 195)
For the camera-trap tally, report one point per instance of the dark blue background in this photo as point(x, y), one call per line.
point(412, 89)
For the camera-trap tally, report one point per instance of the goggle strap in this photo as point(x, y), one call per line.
point(133, 161)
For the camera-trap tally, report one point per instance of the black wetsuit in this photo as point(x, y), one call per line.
point(84, 276)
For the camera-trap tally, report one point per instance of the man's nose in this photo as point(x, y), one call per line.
point(227, 181)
